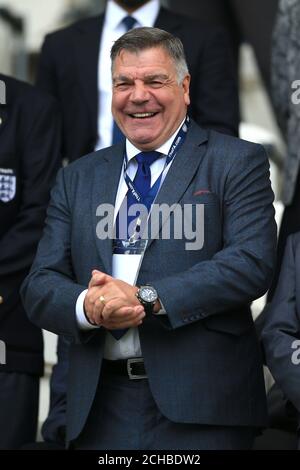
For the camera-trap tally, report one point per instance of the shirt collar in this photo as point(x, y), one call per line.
point(132, 151)
point(145, 15)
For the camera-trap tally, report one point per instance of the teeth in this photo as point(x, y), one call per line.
point(142, 115)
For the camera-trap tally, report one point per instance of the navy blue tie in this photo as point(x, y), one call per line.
point(117, 134)
point(128, 22)
point(142, 183)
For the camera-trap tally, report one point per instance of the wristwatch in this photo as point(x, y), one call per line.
point(148, 296)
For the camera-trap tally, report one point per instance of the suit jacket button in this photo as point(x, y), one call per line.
point(1, 300)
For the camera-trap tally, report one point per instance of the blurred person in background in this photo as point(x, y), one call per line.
point(281, 300)
point(285, 88)
point(245, 22)
point(281, 339)
point(29, 158)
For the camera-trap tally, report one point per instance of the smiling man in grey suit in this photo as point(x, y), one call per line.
point(164, 352)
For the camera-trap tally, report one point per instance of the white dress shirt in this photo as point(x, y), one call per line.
point(123, 267)
point(113, 28)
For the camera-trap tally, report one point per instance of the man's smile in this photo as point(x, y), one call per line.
point(142, 115)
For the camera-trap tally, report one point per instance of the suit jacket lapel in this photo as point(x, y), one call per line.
point(104, 189)
point(181, 173)
point(87, 43)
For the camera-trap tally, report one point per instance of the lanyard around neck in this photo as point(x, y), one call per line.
point(176, 144)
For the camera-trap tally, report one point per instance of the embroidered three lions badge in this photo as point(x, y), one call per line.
point(7, 184)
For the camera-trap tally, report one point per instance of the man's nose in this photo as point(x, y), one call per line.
point(139, 93)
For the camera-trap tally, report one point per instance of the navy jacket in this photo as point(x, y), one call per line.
point(29, 160)
point(281, 333)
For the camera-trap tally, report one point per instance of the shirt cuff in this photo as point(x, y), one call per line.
point(80, 315)
point(162, 311)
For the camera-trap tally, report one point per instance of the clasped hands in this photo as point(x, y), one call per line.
point(112, 303)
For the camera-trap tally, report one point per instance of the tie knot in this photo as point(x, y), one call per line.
point(128, 22)
point(147, 158)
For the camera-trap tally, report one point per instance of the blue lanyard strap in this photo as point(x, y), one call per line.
point(149, 198)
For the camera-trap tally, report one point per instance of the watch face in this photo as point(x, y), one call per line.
point(148, 294)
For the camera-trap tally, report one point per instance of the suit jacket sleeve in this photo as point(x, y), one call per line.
point(47, 73)
point(281, 333)
point(242, 270)
point(50, 291)
point(40, 159)
point(216, 105)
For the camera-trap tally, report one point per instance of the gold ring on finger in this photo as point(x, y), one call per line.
point(102, 299)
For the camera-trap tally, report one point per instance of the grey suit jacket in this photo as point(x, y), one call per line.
point(281, 333)
point(202, 359)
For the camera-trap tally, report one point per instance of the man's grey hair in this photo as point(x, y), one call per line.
point(140, 39)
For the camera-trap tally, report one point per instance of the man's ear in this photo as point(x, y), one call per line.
point(186, 89)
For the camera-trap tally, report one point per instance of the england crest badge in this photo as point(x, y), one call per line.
point(7, 184)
